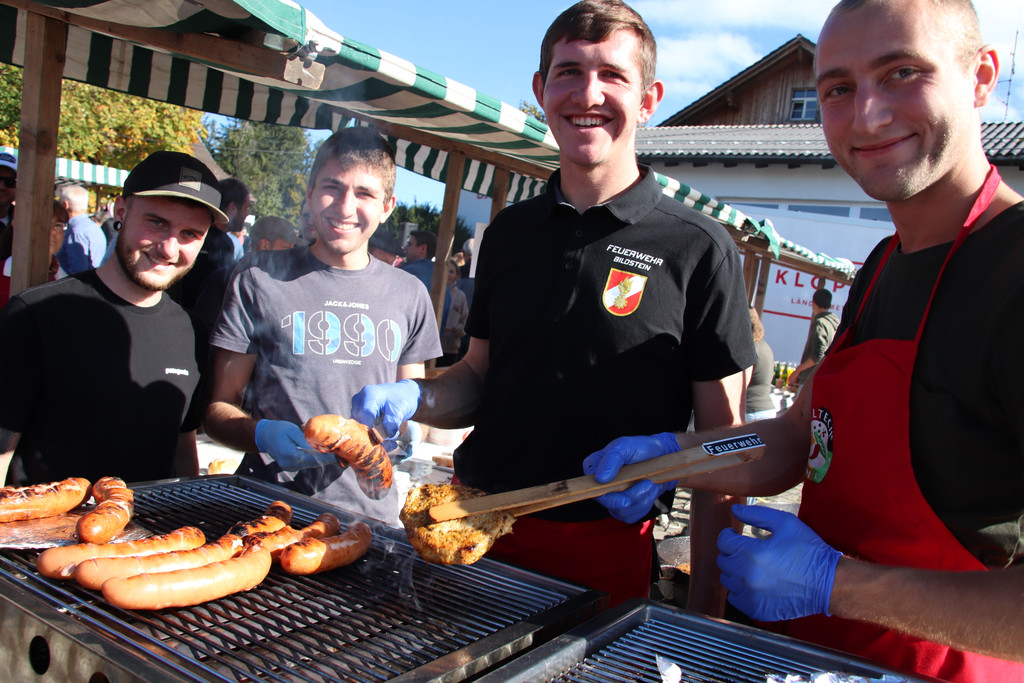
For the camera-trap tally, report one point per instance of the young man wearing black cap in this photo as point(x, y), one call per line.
point(127, 399)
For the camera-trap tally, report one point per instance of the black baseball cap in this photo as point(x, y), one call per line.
point(176, 174)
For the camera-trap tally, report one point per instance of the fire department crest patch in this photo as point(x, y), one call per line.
point(820, 457)
point(623, 291)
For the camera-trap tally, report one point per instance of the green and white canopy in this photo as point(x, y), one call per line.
point(81, 172)
point(274, 61)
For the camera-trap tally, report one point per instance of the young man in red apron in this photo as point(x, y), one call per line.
point(872, 566)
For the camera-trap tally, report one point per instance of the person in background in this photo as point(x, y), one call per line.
point(302, 330)
point(57, 228)
point(467, 285)
point(269, 233)
point(128, 400)
point(236, 200)
point(819, 337)
point(8, 188)
point(420, 249)
point(759, 387)
point(85, 245)
point(451, 338)
point(573, 344)
point(465, 268)
point(218, 251)
point(909, 544)
point(386, 248)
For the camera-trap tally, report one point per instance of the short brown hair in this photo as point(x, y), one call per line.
point(964, 30)
point(358, 146)
point(594, 21)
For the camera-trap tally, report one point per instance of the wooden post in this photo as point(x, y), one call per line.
point(751, 261)
point(46, 41)
point(762, 284)
point(446, 231)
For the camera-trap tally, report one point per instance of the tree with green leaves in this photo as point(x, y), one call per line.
point(273, 161)
point(426, 217)
point(101, 126)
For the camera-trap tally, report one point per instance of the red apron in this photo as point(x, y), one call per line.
point(860, 494)
point(605, 554)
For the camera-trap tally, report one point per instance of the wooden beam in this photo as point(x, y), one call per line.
point(37, 149)
point(762, 284)
point(208, 49)
point(446, 232)
point(530, 169)
point(751, 261)
point(760, 246)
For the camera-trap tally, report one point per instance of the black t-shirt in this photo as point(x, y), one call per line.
point(967, 393)
point(94, 385)
point(597, 325)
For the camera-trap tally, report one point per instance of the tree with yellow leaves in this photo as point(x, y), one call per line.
point(102, 126)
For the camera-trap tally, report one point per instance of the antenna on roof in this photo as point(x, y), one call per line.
point(1009, 81)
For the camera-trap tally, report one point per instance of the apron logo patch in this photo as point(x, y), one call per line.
point(622, 291)
point(820, 456)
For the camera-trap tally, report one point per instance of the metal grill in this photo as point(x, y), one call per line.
point(623, 645)
point(390, 616)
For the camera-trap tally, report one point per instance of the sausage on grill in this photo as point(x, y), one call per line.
point(19, 503)
point(59, 562)
point(115, 505)
point(186, 587)
point(313, 555)
point(93, 572)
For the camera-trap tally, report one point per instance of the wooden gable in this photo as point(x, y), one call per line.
point(761, 94)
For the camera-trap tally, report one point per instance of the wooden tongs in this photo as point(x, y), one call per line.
point(708, 457)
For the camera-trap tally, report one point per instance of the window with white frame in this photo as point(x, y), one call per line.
point(804, 106)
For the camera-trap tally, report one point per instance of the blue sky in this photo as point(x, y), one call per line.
point(495, 48)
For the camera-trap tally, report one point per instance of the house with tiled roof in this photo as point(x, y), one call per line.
point(755, 142)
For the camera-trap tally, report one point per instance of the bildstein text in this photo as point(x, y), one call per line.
point(737, 443)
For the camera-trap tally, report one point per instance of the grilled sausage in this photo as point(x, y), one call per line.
point(114, 509)
point(18, 503)
point(276, 541)
point(59, 562)
point(93, 572)
point(312, 555)
point(186, 587)
point(350, 442)
point(277, 516)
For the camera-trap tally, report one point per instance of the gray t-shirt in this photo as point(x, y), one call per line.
point(320, 335)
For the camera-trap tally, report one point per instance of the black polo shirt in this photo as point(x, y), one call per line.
point(597, 323)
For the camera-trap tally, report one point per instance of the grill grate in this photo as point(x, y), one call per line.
point(388, 616)
point(623, 645)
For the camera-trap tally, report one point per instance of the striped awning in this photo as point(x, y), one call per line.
point(274, 61)
point(81, 172)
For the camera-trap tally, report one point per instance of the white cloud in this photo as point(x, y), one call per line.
point(701, 45)
point(806, 16)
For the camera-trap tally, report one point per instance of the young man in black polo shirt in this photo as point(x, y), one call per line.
point(602, 308)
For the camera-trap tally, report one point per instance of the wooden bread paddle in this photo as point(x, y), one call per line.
point(708, 457)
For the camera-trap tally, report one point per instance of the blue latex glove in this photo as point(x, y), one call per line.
point(632, 504)
point(389, 404)
point(785, 576)
point(287, 445)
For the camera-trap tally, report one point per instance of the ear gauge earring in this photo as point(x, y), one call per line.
point(117, 226)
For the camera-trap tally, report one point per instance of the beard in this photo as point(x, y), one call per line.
point(129, 261)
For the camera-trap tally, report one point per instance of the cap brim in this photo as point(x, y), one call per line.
point(219, 217)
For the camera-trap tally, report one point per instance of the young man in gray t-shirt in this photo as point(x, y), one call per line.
point(303, 330)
